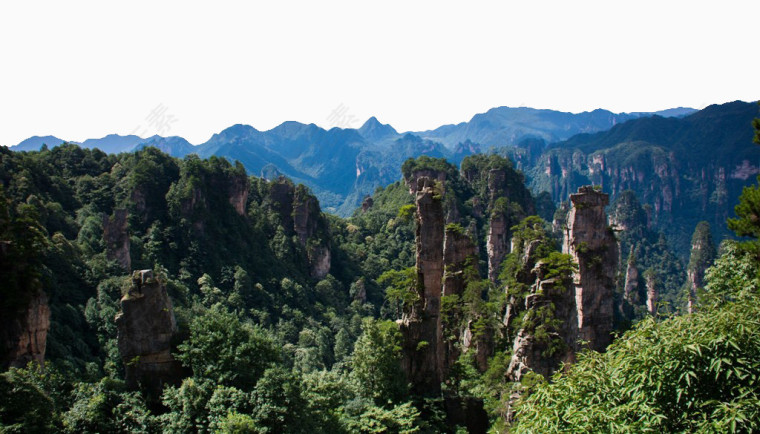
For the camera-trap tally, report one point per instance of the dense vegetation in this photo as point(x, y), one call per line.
point(650, 252)
point(268, 347)
point(682, 170)
point(690, 373)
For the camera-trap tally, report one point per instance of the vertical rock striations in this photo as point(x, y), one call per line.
point(652, 294)
point(146, 326)
point(238, 190)
point(460, 266)
point(630, 287)
point(497, 245)
point(24, 337)
point(593, 246)
point(702, 256)
point(421, 327)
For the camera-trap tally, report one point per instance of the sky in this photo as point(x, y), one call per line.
point(84, 69)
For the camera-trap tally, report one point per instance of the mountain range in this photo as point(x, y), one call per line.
point(342, 166)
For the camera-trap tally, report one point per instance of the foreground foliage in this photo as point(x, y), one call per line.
point(697, 373)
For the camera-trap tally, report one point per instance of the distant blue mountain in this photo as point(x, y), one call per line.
point(174, 145)
point(677, 112)
point(343, 165)
point(373, 130)
point(508, 126)
point(34, 143)
point(113, 143)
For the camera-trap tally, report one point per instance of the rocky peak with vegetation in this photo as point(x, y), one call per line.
point(592, 244)
point(702, 256)
point(146, 327)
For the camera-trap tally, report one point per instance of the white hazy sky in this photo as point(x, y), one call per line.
point(82, 69)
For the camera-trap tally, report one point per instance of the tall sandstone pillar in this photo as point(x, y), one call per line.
point(593, 246)
point(146, 326)
point(421, 328)
point(460, 258)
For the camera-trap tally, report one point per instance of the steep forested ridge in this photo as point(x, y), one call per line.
point(246, 264)
point(683, 170)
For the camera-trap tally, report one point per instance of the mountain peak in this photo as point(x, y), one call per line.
point(374, 130)
point(371, 122)
point(34, 143)
point(239, 129)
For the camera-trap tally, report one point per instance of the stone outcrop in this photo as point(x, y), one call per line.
point(525, 276)
point(701, 257)
point(543, 353)
point(422, 336)
point(593, 246)
point(497, 184)
point(367, 203)
point(24, 335)
point(238, 190)
point(460, 263)
point(497, 245)
point(559, 310)
point(652, 293)
point(631, 290)
point(359, 291)
point(320, 261)
point(190, 206)
point(431, 174)
point(499, 236)
point(146, 326)
point(116, 237)
point(631, 285)
point(300, 215)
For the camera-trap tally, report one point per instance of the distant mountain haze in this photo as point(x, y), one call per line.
point(342, 166)
point(34, 143)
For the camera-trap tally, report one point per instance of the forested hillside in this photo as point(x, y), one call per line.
point(683, 170)
point(144, 293)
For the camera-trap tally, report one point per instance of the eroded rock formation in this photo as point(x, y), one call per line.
point(702, 256)
point(631, 286)
point(367, 203)
point(631, 290)
point(460, 265)
point(238, 191)
point(146, 326)
point(592, 245)
point(652, 293)
point(422, 343)
point(116, 237)
point(543, 352)
point(431, 174)
point(562, 309)
point(497, 245)
point(24, 336)
point(300, 215)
